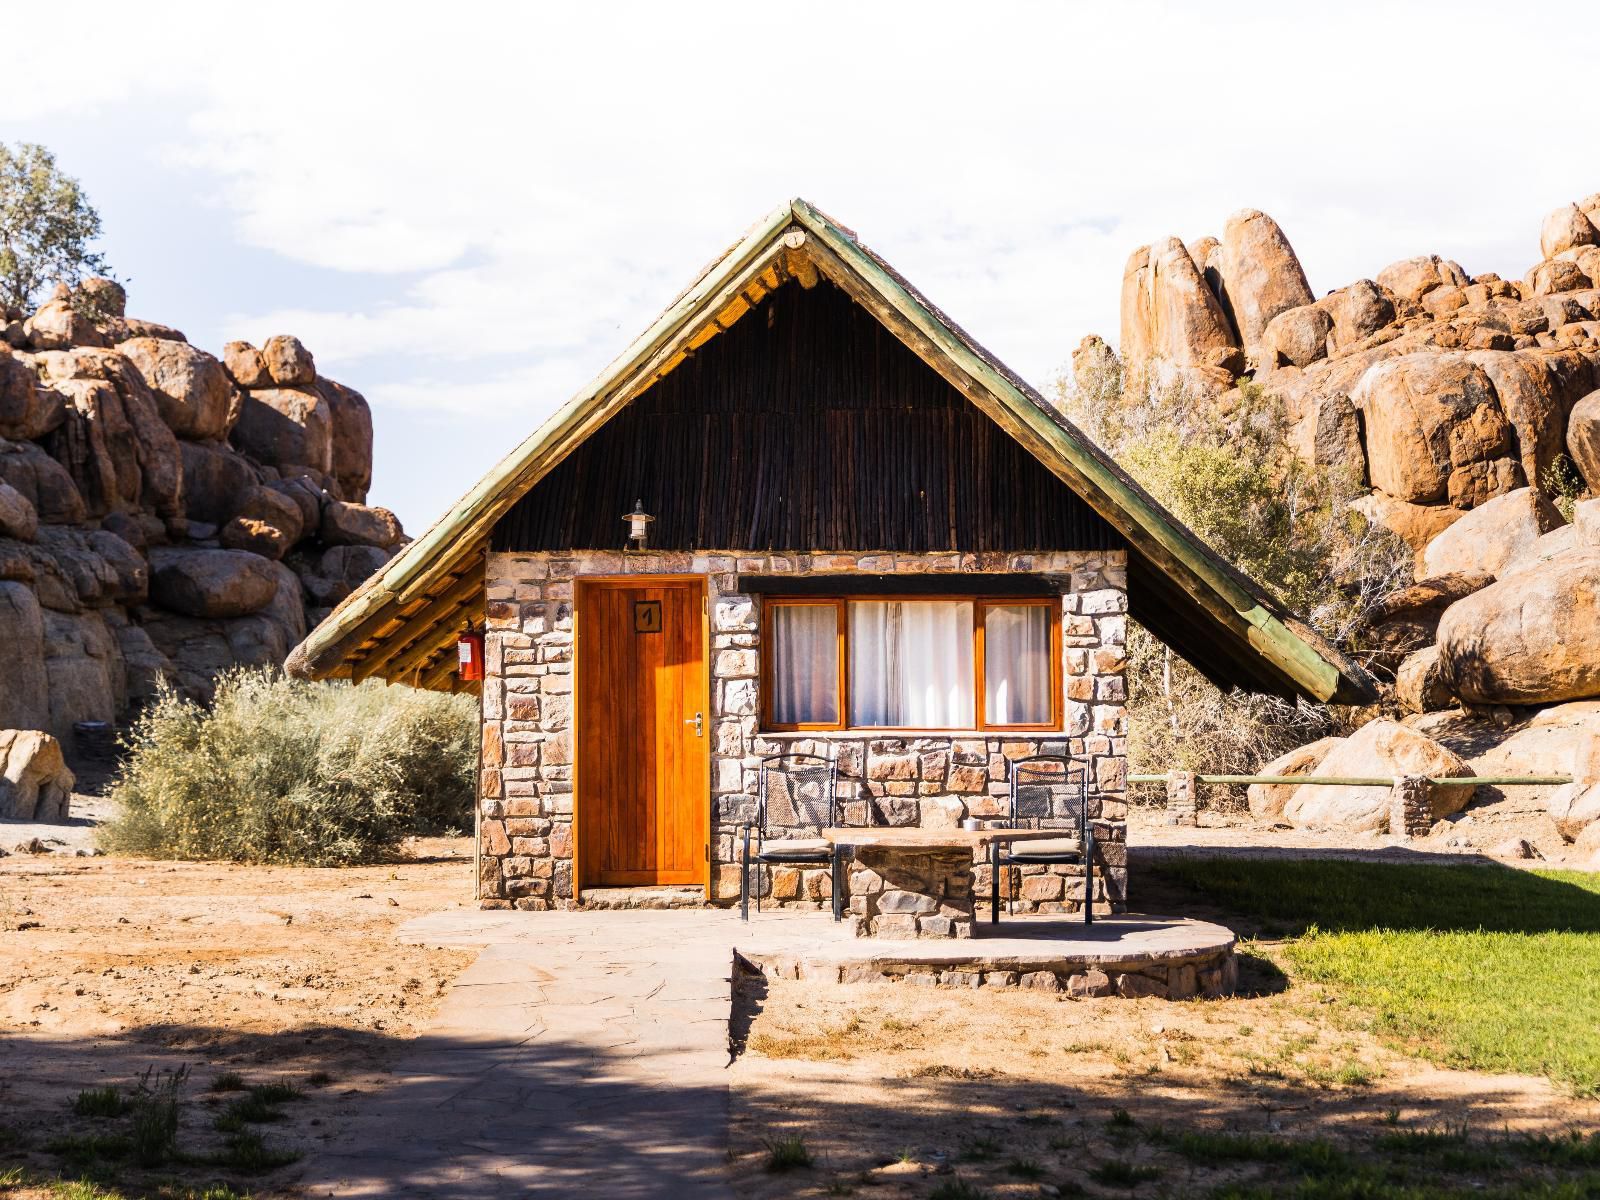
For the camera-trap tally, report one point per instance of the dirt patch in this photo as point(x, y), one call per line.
point(112, 966)
point(902, 1090)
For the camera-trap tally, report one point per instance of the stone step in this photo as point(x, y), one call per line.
point(643, 897)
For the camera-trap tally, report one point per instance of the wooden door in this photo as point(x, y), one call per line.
point(643, 794)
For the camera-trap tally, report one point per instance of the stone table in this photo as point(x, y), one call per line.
point(916, 883)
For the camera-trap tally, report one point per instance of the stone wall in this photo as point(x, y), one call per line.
point(908, 779)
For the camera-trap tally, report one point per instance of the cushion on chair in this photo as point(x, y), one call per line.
point(796, 849)
point(1045, 849)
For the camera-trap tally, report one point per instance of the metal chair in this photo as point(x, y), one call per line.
point(797, 793)
point(1050, 775)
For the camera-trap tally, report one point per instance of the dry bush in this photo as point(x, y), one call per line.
point(1224, 468)
point(282, 771)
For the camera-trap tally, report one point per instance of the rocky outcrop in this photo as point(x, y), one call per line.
point(1261, 278)
point(1267, 800)
point(1174, 332)
point(165, 514)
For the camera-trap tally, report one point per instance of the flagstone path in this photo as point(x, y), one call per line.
point(581, 1054)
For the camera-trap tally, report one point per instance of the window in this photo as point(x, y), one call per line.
point(898, 663)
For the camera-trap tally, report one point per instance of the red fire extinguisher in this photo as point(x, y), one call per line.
point(469, 655)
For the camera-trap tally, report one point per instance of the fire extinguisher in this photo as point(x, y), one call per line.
point(469, 655)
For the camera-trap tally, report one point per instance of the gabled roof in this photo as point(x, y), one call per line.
point(402, 623)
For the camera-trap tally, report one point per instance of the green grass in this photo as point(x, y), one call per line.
point(228, 1081)
point(1114, 1172)
point(1475, 967)
point(258, 1106)
point(787, 1153)
point(957, 1189)
point(100, 1102)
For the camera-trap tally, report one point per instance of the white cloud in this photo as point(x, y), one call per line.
point(533, 182)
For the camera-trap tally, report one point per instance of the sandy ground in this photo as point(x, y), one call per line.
point(112, 966)
point(897, 1088)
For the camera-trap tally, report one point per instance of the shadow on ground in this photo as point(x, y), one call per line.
point(1260, 893)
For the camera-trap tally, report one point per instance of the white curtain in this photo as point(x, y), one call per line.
point(1016, 664)
point(911, 663)
point(805, 664)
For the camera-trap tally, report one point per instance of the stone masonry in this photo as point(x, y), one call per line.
point(907, 779)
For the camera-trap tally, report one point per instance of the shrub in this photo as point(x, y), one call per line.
point(1225, 469)
point(282, 771)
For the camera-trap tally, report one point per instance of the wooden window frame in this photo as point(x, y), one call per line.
point(980, 606)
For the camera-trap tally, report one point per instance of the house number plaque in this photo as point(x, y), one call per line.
point(647, 616)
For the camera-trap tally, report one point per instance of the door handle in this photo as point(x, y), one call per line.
point(699, 723)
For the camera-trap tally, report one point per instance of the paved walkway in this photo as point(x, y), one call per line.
point(582, 1054)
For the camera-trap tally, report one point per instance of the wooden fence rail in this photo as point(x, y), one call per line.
point(1409, 813)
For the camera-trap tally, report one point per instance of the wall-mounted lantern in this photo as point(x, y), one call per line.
point(638, 525)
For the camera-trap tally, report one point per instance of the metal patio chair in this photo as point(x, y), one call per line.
point(1042, 797)
point(796, 799)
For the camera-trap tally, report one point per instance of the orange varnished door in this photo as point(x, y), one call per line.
point(643, 795)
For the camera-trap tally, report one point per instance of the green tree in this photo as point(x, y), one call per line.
point(46, 225)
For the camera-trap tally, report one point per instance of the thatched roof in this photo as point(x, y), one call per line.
point(402, 623)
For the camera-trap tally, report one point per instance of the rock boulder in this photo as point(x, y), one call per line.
point(192, 391)
point(1532, 638)
point(1379, 749)
point(211, 583)
point(1435, 430)
point(1267, 800)
point(1583, 439)
point(35, 784)
point(287, 428)
point(1261, 277)
point(288, 362)
point(1491, 535)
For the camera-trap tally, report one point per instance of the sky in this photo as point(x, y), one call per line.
point(465, 211)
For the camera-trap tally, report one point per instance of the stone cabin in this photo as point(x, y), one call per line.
point(866, 535)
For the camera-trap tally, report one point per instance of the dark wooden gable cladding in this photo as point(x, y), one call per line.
point(806, 426)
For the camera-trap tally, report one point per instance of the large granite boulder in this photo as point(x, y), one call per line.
point(57, 326)
point(1583, 439)
point(1492, 535)
point(216, 481)
point(1267, 800)
point(350, 423)
point(1419, 685)
point(1413, 278)
point(287, 428)
point(245, 365)
point(1536, 390)
point(1379, 749)
point(1531, 638)
point(1173, 328)
point(268, 523)
point(1261, 277)
point(138, 449)
point(24, 700)
point(18, 519)
point(359, 525)
point(84, 669)
point(1565, 228)
point(288, 362)
point(1435, 430)
point(192, 391)
point(27, 410)
point(43, 481)
point(35, 784)
point(211, 583)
